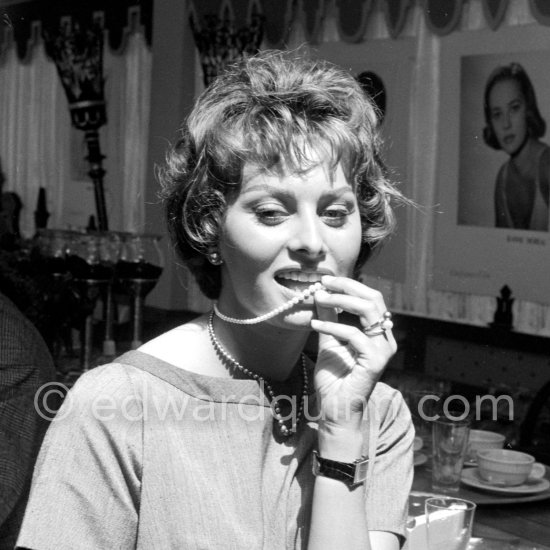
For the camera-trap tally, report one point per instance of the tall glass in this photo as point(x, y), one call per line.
point(449, 523)
point(449, 450)
point(424, 406)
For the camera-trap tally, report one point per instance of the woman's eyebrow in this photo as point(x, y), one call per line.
point(278, 190)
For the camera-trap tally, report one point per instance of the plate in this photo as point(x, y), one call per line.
point(471, 477)
point(419, 459)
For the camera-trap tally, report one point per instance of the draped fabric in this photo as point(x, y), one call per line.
point(34, 134)
point(39, 148)
point(221, 41)
point(353, 18)
point(494, 12)
point(396, 15)
point(128, 92)
point(28, 18)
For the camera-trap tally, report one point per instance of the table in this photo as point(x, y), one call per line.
point(497, 517)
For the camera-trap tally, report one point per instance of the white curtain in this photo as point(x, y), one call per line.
point(39, 148)
point(34, 134)
point(128, 93)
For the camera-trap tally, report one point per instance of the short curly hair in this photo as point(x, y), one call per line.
point(536, 125)
point(262, 111)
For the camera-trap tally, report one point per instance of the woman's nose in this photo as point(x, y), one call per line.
point(507, 121)
point(308, 237)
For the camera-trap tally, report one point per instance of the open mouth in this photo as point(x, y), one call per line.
point(297, 281)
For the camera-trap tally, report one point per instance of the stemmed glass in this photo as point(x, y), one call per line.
point(92, 272)
point(48, 256)
point(109, 251)
point(52, 246)
point(137, 271)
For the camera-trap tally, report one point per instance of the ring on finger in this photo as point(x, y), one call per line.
point(381, 326)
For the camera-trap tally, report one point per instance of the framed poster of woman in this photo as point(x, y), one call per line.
point(494, 164)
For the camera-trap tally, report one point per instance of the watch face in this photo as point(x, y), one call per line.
point(350, 473)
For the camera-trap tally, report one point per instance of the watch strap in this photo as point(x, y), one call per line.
point(351, 473)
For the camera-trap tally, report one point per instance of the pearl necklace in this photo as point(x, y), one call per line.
point(304, 295)
point(275, 409)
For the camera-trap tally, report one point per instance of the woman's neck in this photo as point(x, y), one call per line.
point(523, 158)
point(271, 352)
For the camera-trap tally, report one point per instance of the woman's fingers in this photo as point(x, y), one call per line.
point(365, 309)
point(362, 301)
point(355, 337)
point(353, 297)
point(345, 285)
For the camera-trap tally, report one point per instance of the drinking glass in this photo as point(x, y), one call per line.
point(109, 246)
point(138, 269)
point(449, 450)
point(92, 271)
point(52, 246)
point(423, 405)
point(449, 523)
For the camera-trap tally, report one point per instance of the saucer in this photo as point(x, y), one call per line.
point(419, 459)
point(470, 477)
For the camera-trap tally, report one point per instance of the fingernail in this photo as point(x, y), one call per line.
point(327, 279)
point(322, 294)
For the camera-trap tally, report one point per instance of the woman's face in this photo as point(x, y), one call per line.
point(281, 234)
point(508, 115)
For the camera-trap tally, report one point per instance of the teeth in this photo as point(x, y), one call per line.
point(300, 276)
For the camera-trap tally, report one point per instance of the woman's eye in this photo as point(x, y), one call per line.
point(336, 216)
point(271, 216)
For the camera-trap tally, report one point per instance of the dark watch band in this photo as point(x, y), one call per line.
point(351, 473)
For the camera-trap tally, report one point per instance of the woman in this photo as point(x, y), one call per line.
point(274, 198)
point(514, 124)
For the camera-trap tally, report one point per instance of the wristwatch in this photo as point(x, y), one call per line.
point(351, 473)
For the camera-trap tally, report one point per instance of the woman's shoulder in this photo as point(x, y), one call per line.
point(187, 347)
point(116, 380)
point(181, 345)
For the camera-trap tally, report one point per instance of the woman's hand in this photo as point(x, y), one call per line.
point(349, 362)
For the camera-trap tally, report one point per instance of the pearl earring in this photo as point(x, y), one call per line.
point(214, 258)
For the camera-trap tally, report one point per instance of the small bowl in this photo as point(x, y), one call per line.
point(507, 468)
point(480, 440)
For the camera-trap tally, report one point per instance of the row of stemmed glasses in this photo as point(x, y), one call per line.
point(98, 264)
